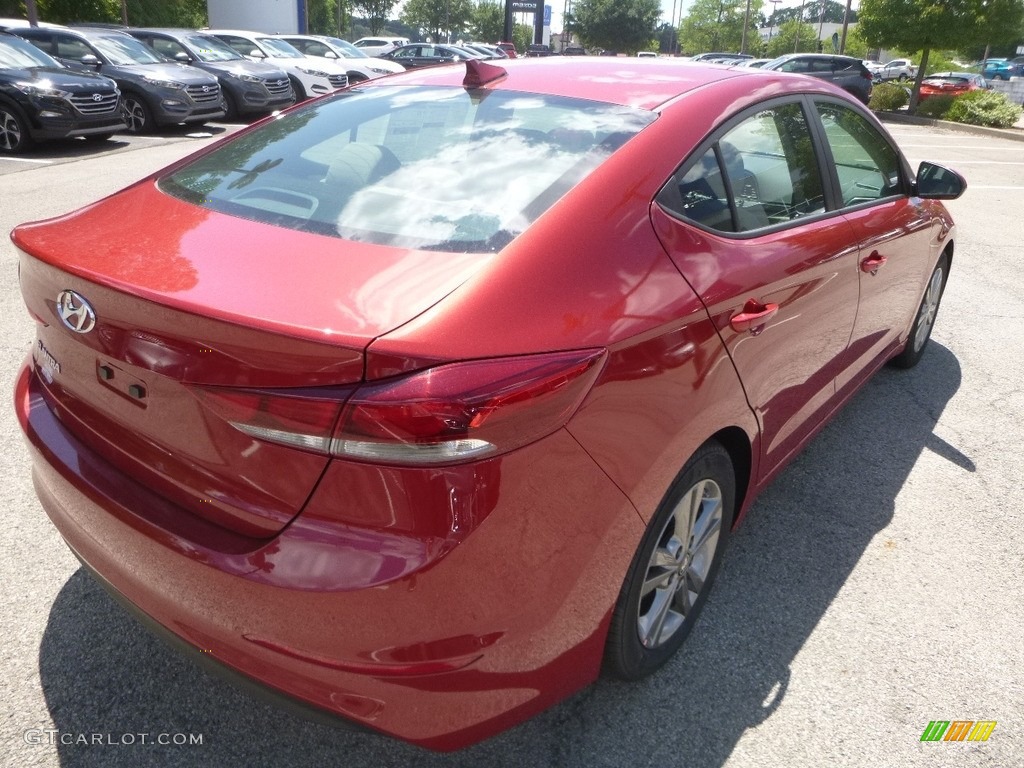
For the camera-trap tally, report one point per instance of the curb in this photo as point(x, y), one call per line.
point(1013, 134)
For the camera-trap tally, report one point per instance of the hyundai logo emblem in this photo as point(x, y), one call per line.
point(97, 97)
point(75, 312)
point(206, 88)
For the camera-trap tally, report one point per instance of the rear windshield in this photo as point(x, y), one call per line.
point(429, 168)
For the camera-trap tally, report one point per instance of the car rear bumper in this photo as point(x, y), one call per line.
point(440, 642)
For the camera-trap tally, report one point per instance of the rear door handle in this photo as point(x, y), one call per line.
point(753, 317)
point(873, 263)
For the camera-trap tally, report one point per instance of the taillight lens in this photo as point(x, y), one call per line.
point(299, 419)
point(444, 415)
point(465, 411)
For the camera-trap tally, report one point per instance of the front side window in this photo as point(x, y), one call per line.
point(761, 173)
point(867, 165)
point(413, 167)
point(72, 48)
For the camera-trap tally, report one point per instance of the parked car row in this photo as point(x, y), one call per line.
point(848, 73)
point(41, 99)
point(146, 78)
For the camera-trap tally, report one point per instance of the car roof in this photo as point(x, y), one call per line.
point(643, 83)
point(951, 74)
point(789, 56)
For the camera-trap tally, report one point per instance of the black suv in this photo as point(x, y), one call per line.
point(848, 73)
point(154, 91)
point(249, 87)
point(40, 99)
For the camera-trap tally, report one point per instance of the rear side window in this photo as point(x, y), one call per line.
point(414, 167)
point(761, 173)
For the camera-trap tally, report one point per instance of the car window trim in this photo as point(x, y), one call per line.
point(829, 179)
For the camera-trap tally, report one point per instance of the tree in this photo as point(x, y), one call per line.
point(793, 36)
point(522, 36)
point(924, 25)
point(442, 19)
point(171, 13)
point(616, 25)
point(376, 12)
point(488, 21)
point(717, 25)
point(68, 11)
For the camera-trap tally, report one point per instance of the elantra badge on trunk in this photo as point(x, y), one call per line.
point(75, 312)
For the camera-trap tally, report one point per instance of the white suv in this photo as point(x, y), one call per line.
point(310, 77)
point(360, 67)
point(375, 46)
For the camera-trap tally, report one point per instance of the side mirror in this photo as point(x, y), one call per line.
point(256, 53)
point(330, 55)
point(936, 182)
point(90, 60)
point(182, 57)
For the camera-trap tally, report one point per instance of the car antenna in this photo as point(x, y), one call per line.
point(479, 73)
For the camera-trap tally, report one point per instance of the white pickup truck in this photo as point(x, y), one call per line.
point(897, 69)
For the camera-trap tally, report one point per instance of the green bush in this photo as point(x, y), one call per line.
point(936, 106)
point(984, 108)
point(888, 97)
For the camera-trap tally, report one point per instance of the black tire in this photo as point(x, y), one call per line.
point(137, 114)
point(647, 628)
point(300, 92)
point(924, 318)
point(231, 113)
point(903, 78)
point(14, 135)
point(354, 78)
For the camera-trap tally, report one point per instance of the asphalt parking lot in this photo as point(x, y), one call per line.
point(877, 585)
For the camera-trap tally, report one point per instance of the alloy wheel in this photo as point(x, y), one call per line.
point(11, 136)
point(929, 308)
point(678, 569)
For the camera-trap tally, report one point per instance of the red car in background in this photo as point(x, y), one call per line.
point(422, 403)
point(951, 84)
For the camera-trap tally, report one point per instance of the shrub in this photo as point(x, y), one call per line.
point(936, 106)
point(984, 108)
point(888, 97)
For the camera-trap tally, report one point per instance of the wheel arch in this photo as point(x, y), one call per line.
point(736, 443)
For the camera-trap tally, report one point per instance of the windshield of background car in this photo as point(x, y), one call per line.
point(18, 54)
point(211, 49)
point(344, 45)
point(280, 48)
point(123, 51)
point(428, 168)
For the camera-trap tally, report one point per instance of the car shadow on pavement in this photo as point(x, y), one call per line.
point(102, 673)
point(63, 149)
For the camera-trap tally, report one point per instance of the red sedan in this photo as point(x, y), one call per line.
point(422, 403)
point(951, 84)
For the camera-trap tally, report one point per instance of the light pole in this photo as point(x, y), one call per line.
point(800, 24)
point(746, 23)
point(771, 23)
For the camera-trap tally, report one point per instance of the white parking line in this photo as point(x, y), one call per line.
point(947, 147)
point(976, 162)
point(27, 160)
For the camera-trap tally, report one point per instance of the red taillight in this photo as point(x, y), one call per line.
point(444, 415)
point(465, 411)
